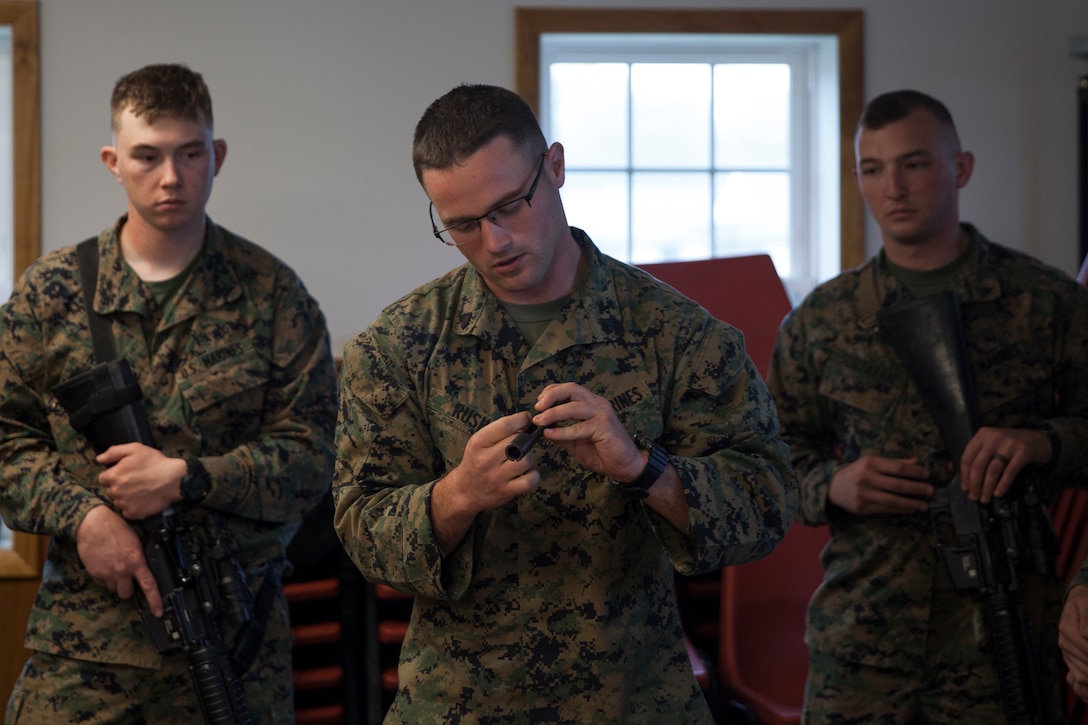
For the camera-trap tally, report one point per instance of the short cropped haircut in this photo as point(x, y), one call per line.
point(162, 91)
point(897, 105)
point(466, 119)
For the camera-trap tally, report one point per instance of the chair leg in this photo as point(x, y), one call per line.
point(735, 713)
point(351, 601)
point(375, 712)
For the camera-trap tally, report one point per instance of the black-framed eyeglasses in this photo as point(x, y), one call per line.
point(467, 231)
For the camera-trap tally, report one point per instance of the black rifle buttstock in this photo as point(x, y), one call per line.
point(103, 404)
point(927, 335)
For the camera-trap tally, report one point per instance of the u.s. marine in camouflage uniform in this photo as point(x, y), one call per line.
point(543, 588)
point(890, 639)
point(233, 358)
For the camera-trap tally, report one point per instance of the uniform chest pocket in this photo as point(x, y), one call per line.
point(227, 384)
point(1014, 387)
point(866, 385)
point(639, 410)
point(451, 428)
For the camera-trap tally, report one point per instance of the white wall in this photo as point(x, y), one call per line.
point(317, 100)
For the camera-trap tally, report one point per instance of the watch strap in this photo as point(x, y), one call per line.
point(195, 484)
point(656, 464)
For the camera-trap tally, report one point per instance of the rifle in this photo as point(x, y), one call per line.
point(981, 544)
point(103, 403)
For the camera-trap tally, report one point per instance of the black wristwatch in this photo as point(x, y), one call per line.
point(195, 484)
point(655, 466)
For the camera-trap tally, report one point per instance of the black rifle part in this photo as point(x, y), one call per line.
point(524, 441)
point(981, 544)
point(529, 436)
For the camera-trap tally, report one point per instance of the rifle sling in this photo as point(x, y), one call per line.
point(101, 336)
point(250, 638)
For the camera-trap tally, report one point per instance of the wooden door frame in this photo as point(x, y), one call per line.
point(26, 558)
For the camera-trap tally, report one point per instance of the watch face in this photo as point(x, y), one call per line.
point(190, 488)
point(194, 484)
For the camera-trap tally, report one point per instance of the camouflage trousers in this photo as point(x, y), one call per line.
point(958, 685)
point(54, 689)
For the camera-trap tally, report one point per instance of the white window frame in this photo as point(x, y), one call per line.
point(814, 242)
point(846, 26)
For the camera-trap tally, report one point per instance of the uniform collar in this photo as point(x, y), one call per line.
point(979, 283)
point(212, 283)
point(480, 314)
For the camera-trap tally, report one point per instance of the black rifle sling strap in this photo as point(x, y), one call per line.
point(251, 637)
point(101, 337)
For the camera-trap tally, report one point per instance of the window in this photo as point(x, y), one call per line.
point(688, 136)
point(21, 555)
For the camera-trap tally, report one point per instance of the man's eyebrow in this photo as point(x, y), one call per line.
point(913, 154)
point(901, 157)
point(183, 147)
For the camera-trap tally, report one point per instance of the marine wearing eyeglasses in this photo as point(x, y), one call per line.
point(544, 586)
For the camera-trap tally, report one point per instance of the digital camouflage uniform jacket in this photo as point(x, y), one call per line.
point(842, 394)
point(558, 606)
point(237, 371)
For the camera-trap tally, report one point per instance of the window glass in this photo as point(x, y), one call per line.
point(752, 215)
point(670, 115)
point(752, 115)
point(7, 162)
point(599, 201)
point(670, 217)
point(589, 112)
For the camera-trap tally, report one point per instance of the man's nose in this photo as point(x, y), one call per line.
point(170, 174)
point(495, 235)
point(897, 189)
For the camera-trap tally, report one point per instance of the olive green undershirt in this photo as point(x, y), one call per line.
point(934, 281)
point(532, 320)
point(164, 290)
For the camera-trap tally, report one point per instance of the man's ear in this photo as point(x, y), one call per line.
point(556, 164)
point(219, 146)
point(965, 165)
point(109, 158)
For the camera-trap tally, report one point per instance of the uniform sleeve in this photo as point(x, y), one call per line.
point(284, 471)
point(1071, 391)
point(37, 493)
point(722, 428)
point(385, 472)
point(803, 412)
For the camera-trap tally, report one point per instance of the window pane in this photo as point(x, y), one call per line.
point(670, 217)
point(589, 113)
point(752, 215)
point(597, 203)
point(751, 115)
point(7, 165)
point(670, 105)
point(7, 541)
